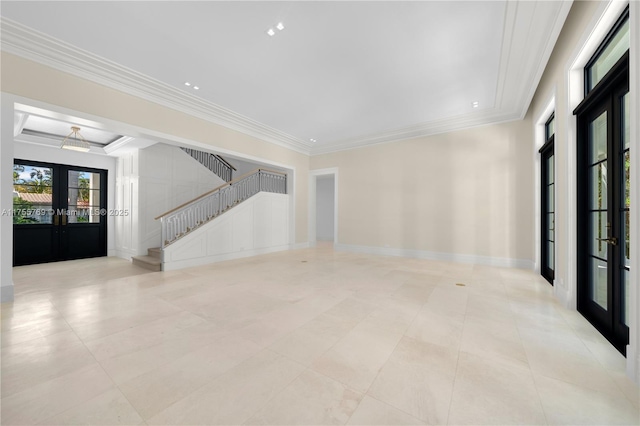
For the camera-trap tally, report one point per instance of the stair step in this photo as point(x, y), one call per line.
point(155, 252)
point(147, 262)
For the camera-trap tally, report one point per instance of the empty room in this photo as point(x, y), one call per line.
point(319, 212)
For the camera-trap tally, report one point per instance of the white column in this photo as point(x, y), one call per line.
point(6, 198)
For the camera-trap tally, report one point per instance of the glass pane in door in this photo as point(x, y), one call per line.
point(626, 125)
point(599, 186)
point(84, 197)
point(32, 194)
point(599, 221)
point(550, 212)
point(599, 231)
point(599, 283)
point(598, 133)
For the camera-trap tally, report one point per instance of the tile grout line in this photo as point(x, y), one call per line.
point(455, 375)
point(403, 335)
point(258, 409)
point(109, 376)
point(103, 370)
point(535, 384)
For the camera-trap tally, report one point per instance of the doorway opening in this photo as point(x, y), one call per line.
point(323, 206)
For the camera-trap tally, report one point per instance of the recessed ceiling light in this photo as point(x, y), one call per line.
point(193, 86)
point(476, 104)
point(312, 140)
point(271, 32)
point(280, 26)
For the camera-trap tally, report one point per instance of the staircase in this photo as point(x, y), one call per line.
point(188, 217)
point(152, 261)
point(213, 162)
point(184, 219)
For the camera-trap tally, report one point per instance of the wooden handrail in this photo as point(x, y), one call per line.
point(218, 189)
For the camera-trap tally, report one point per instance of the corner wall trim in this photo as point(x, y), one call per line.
point(500, 262)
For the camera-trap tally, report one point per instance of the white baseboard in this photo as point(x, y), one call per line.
point(124, 254)
point(633, 365)
point(449, 257)
point(563, 295)
point(6, 293)
point(205, 260)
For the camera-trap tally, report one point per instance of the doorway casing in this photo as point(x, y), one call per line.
point(313, 177)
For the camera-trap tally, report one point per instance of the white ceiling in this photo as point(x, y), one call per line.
point(343, 73)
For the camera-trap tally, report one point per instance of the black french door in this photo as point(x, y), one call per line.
point(547, 204)
point(603, 205)
point(58, 212)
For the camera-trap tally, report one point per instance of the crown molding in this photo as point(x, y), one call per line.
point(422, 130)
point(552, 26)
point(33, 45)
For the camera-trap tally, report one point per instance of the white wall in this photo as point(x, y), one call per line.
point(460, 196)
point(325, 192)
point(257, 225)
point(152, 181)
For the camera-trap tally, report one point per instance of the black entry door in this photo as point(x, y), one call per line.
point(58, 212)
point(603, 206)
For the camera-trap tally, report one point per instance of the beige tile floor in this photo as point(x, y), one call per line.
point(302, 337)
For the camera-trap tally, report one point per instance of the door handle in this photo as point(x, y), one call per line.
point(56, 220)
point(613, 240)
point(64, 219)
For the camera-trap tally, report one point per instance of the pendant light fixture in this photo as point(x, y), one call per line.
point(75, 142)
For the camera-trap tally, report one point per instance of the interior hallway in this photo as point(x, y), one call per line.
point(302, 337)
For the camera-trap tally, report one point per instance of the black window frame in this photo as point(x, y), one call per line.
point(624, 17)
